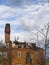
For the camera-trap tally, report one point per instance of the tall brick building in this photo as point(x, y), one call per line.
point(19, 53)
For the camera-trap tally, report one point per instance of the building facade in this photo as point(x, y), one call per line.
point(19, 53)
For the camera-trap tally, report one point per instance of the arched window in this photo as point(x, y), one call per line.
point(19, 54)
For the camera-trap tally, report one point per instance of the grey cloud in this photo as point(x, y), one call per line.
point(21, 3)
point(16, 2)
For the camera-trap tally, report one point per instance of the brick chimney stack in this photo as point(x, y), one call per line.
point(7, 33)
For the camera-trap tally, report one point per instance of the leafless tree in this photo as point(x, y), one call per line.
point(45, 34)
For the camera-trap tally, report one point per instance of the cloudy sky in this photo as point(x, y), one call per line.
point(24, 16)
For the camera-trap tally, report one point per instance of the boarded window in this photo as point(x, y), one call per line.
point(27, 54)
point(5, 54)
point(28, 58)
point(0, 54)
point(1, 64)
